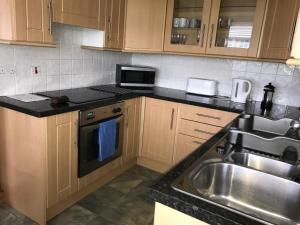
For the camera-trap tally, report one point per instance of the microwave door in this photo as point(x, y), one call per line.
point(137, 78)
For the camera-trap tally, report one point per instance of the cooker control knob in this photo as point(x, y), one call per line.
point(117, 110)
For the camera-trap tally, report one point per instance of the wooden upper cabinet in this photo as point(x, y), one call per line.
point(84, 13)
point(114, 23)
point(25, 21)
point(278, 29)
point(235, 27)
point(159, 130)
point(187, 25)
point(145, 25)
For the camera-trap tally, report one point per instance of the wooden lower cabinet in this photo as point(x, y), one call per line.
point(165, 215)
point(131, 129)
point(184, 146)
point(61, 157)
point(158, 134)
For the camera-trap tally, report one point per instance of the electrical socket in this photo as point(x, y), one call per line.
point(35, 70)
point(2, 71)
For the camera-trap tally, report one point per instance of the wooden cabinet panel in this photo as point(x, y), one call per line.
point(198, 130)
point(184, 146)
point(194, 38)
point(61, 157)
point(84, 13)
point(278, 29)
point(239, 15)
point(25, 21)
point(159, 130)
point(131, 132)
point(145, 24)
point(205, 115)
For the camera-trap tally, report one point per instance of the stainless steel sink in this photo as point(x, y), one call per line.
point(274, 146)
point(250, 192)
point(264, 164)
point(257, 123)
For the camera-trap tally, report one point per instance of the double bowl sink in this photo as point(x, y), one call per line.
point(252, 180)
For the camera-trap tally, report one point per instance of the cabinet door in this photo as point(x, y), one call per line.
point(235, 27)
point(278, 29)
point(61, 157)
point(32, 21)
point(145, 24)
point(185, 145)
point(131, 132)
point(187, 25)
point(159, 130)
point(114, 25)
point(84, 13)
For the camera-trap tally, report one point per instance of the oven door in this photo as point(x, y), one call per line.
point(136, 77)
point(88, 153)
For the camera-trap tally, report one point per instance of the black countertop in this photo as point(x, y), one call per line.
point(163, 192)
point(44, 108)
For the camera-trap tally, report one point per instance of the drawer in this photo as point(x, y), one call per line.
point(205, 115)
point(198, 130)
point(185, 145)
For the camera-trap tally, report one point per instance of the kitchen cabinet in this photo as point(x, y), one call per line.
point(131, 129)
point(145, 25)
point(25, 21)
point(184, 146)
point(166, 215)
point(84, 13)
point(114, 23)
point(187, 25)
point(61, 157)
point(278, 30)
point(158, 134)
point(235, 27)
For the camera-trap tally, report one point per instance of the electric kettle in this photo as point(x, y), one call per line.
point(240, 90)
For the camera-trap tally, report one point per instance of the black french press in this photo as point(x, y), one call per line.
point(267, 101)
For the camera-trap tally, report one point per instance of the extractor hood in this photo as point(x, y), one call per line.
point(295, 53)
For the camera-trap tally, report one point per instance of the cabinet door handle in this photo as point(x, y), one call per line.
point(211, 35)
point(208, 116)
point(172, 119)
point(127, 115)
point(197, 142)
point(109, 29)
point(204, 132)
point(202, 36)
point(50, 11)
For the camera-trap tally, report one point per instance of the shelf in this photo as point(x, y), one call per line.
point(187, 28)
point(181, 8)
point(32, 44)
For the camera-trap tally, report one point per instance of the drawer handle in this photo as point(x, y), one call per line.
point(207, 116)
point(197, 142)
point(204, 132)
point(172, 119)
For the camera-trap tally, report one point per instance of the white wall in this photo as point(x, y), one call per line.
point(66, 66)
point(173, 72)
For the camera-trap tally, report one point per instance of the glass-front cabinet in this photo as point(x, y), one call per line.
point(221, 27)
point(235, 27)
point(187, 25)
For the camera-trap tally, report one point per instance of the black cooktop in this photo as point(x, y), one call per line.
point(112, 89)
point(80, 95)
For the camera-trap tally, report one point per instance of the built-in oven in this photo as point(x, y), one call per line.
point(135, 76)
point(100, 137)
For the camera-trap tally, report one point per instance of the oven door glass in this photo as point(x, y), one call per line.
point(137, 78)
point(89, 146)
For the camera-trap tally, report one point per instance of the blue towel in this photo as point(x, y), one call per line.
point(107, 139)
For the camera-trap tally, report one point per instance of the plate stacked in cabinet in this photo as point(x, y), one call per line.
point(195, 126)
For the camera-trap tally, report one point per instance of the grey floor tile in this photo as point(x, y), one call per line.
point(123, 201)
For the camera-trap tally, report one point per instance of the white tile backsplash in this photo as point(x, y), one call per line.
point(61, 68)
point(173, 72)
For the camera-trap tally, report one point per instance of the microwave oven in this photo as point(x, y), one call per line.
point(135, 76)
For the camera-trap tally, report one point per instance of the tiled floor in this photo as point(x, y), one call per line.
point(123, 201)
